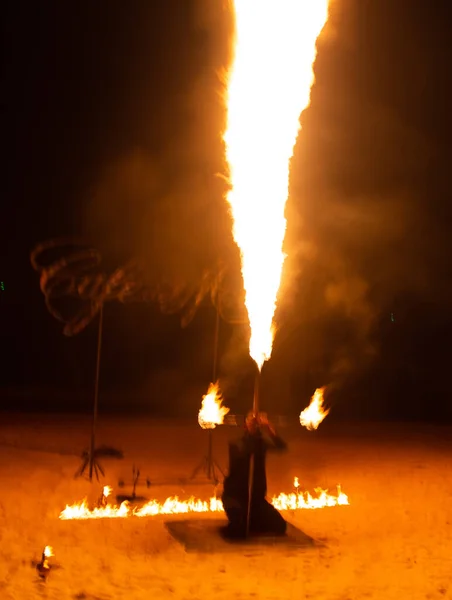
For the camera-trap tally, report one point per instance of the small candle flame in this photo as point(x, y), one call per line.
point(48, 552)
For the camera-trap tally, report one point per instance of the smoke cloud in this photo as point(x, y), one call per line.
point(358, 237)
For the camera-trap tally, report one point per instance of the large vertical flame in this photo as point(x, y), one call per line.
point(268, 86)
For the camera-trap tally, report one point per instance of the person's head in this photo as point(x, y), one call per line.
point(251, 423)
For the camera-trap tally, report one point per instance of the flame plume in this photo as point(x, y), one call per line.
point(268, 86)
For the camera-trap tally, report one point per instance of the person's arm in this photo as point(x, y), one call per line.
point(272, 439)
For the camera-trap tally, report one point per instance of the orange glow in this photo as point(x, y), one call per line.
point(211, 412)
point(313, 415)
point(268, 86)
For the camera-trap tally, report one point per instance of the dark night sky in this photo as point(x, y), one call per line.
point(112, 120)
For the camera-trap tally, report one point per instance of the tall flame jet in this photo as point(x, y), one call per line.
point(268, 86)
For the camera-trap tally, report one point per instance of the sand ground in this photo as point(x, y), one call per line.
point(393, 541)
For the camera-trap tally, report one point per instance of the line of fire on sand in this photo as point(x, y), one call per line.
point(172, 506)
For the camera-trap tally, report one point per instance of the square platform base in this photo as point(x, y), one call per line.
point(204, 536)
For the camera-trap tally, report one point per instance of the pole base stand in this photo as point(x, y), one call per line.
point(210, 468)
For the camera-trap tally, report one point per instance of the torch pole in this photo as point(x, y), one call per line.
point(216, 340)
point(215, 346)
point(251, 471)
point(209, 456)
point(256, 393)
point(96, 395)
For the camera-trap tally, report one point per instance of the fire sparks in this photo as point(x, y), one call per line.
point(268, 86)
point(211, 412)
point(175, 506)
point(313, 415)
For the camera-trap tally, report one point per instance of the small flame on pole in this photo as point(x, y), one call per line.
point(43, 567)
point(103, 500)
point(211, 412)
point(313, 415)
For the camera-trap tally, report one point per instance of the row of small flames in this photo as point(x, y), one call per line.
point(172, 506)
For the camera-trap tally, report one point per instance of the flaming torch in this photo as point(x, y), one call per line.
point(313, 415)
point(210, 415)
point(268, 86)
point(103, 499)
point(211, 412)
point(43, 567)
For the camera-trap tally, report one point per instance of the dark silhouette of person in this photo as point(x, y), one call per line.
point(259, 437)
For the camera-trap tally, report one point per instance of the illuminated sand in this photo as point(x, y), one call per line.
point(393, 541)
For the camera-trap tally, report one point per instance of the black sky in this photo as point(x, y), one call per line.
point(112, 121)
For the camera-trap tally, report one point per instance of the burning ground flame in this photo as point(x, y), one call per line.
point(268, 86)
point(211, 412)
point(313, 415)
point(174, 506)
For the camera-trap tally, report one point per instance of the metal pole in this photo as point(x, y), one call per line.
point(250, 493)
point(251, 471)
point(215, 346)
point(209, 456)
point(256, 393)
point(96, 394)
point(210, 467)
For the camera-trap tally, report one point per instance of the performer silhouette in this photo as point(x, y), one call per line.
point(259, 438)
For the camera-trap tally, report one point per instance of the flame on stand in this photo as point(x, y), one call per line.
point(48, 552)
point(268, 86)
point(174, 506)
point(313, 415)
point(211, 412)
